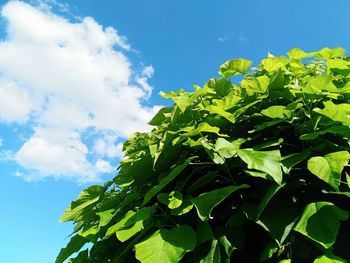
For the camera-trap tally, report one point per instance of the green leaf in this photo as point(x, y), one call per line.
point(265, 161)
point(270, 250)
point(74, 245)
point(327, 53)
point(206, 202)
point(289, 161)
point(90, 231)
point(227, 247)
point(190, 131)
point(319, 84)
point(329, 258)
point(185, 207)
point(204, 232)
point(165, 181)
point(213, 109)
point(85, 199)
point(227, 102)
point(202, 181)
point(210, 149)
point(227, 149)
point(297, 53)
point(276, 219)
point(222, 87)
point(268, 144)
point(320, 222)
point(336, 112)
point(234, 67)
point(132, 223)
point(81, 258)
point(172, 200)
point(339, 130)
point(166, 246)
point(277, 111)
point(255, 85)
point(329, 167)
point(272, 64)
point(106, 217)
point(337, 63)
point(213, 255)
point(161, 116)
point(271, 192)
point(347, 179)
point(181, 98)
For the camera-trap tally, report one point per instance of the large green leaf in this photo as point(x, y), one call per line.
point(132, 223)
point(182, 99)
point(161, 115)
point(206, 202)
point(106, 216)
point(339, 130)
point(320, 222)
point(277, 111)
point(85, 199)
point(191, 131)
point(227, 149)
point(234, 67)
point(227, 102)
point(213, 109)
point(272, 64)
point(320, 83)
point(329, 258)
point(172, 200)
point(336, 112)
point(297, 53)
point(165, 181)
point(166, 246)
point(265, 161)
point(329, 167)
point(256, 85)
point(221, 86)
point(328, 53)
point(74, 245)
point(289, 161)
point(213, 255)
point(204, 232)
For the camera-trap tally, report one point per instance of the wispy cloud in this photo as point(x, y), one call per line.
point(224, 38)
point(73, 85)
point(240, 38)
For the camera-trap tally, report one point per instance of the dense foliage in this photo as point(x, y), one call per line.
point(251, 168)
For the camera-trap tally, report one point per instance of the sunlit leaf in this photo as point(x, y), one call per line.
point(256, 85)
point(167, 246)
point(336, 112)
point(297, 53)
point(206, 202)
point(265, 161)
point(320, 222)
point(329, 167)
point(234, 67)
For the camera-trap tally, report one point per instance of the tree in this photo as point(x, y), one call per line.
point(251, 168)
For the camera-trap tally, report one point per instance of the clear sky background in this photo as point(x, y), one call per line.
point(77, 77)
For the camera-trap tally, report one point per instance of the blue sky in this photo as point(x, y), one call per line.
point(77, 77)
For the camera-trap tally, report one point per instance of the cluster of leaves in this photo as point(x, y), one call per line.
point(249, 172)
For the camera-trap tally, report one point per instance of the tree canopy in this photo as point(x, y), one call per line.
point(251, 167)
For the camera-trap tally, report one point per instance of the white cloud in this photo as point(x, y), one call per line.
point(224, 38)
point(103, 166)
point(63, 79)
point(237, 37)
point(15, 103)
